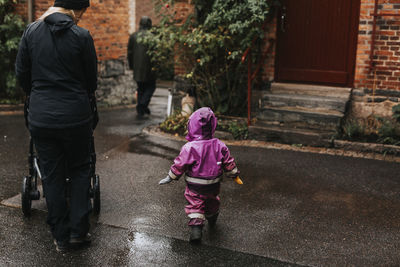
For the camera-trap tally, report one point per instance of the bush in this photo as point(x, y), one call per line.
point(11, 29)
point(372, 129)
point(175, 124)
point(396, 112)
point(239, 130)
point(209, 46)
point(353, 130)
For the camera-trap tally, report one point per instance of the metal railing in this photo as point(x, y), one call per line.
point(251, 76)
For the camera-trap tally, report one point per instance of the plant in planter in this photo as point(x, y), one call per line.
point(372, 129)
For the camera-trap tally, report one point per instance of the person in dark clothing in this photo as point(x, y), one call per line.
point(56, 66)
point(139, 61)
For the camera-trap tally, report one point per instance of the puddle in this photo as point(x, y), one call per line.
point(144, 146)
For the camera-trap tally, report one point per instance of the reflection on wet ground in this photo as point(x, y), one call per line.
point(145, 249)
point(144, 145)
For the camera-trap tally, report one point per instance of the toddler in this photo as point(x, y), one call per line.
point(203, 160)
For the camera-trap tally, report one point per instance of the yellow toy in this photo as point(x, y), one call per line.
point(238, 180)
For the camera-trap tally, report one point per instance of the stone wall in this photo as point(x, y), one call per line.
point(366, 102)
point(116, 85)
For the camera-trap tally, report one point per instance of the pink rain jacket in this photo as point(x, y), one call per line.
point(204, 158)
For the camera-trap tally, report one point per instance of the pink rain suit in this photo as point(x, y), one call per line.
point(203, 160)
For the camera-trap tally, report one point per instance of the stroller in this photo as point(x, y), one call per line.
point(30, 183)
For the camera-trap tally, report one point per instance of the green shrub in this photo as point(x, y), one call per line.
point(11, 28)
point(372, 129)
point(239, 130)
point(353, 130)
point(209, 46)
point(396, 112)
point(175, 124)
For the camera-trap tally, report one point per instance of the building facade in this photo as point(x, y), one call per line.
point(343, 43)
point(339, 43)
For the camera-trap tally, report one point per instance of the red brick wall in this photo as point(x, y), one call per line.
point(144, 8)
point(107, 21)
point(183, 9)
point(387, 46)
point(269, 65)
point(21, 8)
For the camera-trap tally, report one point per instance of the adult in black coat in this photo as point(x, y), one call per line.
point(140, 62)
point(57, 67)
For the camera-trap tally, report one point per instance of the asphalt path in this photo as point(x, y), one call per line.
point(295, 208)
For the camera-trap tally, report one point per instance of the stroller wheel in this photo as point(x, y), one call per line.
point(96, 194)
point(26, 197)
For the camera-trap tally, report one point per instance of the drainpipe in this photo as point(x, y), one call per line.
point(31, 15)
point(371, 55)
point(132, 16)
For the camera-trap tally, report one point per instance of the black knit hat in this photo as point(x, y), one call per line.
point(72, 4)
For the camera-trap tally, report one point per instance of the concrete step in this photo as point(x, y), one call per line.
point(301, 117)
point(289, 135)
point(322, 103)
point(307, 89)
point(300, 113)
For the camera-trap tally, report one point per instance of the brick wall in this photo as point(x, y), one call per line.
point(387, 46)
point(183, 9)
point(143, 8)
point(269, 65)
point(377, 90)
point(21, 8)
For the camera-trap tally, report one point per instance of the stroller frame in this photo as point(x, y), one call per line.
point(30, 182)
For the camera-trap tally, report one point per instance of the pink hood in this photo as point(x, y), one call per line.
point(202, 124)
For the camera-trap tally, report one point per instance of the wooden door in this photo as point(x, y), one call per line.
point(316, 41)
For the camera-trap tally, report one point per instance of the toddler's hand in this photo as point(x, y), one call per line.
point(166, 180)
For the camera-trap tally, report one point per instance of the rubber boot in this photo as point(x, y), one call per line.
point(212, 220)
point(196, 234)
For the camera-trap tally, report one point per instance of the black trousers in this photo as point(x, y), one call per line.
point(65, 153)
point(145, 92)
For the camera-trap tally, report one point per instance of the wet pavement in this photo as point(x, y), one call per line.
point(294, 207)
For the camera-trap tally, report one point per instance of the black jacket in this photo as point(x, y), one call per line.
point(57, 66)
point(138, 59)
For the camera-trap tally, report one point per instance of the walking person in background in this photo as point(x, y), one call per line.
point(139, 61)
point(57, 68)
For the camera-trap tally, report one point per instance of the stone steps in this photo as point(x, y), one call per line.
point(301, 117)
point(295, 112)
point(290, 135)
point(305, 101)
point(307, 89)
